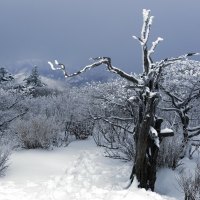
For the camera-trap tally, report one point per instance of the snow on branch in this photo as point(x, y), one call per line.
point(137, 38)
point(154, 45)
point(97, 62)
point(167, 132)
point(194, 134)
point(143, 39)
point(150, 69)
point(59, 66)
point(154, 136)
point(147, 22)
point(197, 128)
point(170, 61)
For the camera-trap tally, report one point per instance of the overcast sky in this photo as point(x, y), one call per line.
point(75, 30)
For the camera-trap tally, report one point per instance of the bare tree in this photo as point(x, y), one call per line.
point(182, 105)
point(148, 132)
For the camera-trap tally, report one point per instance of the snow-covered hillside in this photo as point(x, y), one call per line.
point(77, 172)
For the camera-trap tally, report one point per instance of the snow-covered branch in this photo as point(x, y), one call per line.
point(154, 136)
point(194, 134)
point(166, 132)
point(97, 62)
point(169, 61)
point(147, 22)
point(197, 128)
point(154, 45)
point(170, 109)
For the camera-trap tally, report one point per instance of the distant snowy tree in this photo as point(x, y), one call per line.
point(5, 76)
point(33, 83)
point(147, 133)
point(34, 79)
point(6, 79)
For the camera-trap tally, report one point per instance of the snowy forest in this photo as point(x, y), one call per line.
point(136, 136)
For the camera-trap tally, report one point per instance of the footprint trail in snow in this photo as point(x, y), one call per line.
point(77, 172)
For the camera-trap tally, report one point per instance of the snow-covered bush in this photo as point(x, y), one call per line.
point(63, 107)
point(169, 154)
point(4, 156)
point(190, 184)
point(114, 120)
point(42, 91)
point(37, 132)
point(6, 79)
point(81, 129)
point(118, 141)
point(10, 107)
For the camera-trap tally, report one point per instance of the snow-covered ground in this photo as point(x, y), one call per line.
point(167, 184)
point(77, 172)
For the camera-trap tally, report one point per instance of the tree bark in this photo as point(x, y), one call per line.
point(146, 149)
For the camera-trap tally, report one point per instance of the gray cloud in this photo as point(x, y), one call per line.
point(74, 30)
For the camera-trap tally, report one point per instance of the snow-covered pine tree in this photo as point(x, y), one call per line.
point(33, 83)
point(34, 80)
point(147, 133)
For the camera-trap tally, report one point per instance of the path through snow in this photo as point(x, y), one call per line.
point(77, 172)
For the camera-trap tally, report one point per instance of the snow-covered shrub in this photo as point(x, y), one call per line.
point(10, 107)
point(118, 141)
point(190, 184)
point(169, 154)
point(43, 91)
point(114, 115)
point(81, 129)
point(37, 132)
point(4, 156)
